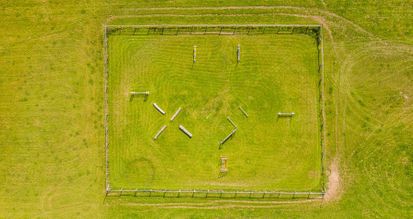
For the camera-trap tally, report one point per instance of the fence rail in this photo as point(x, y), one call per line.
point(322, 115)
point(205, 29)
point(215, 194)
point(106, 105)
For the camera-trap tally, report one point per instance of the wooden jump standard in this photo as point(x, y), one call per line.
point(283, 114)
point(239, 53)
point(146, 93)
point(194, 55)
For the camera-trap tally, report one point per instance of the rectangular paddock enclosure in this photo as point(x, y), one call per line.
point(206, 73)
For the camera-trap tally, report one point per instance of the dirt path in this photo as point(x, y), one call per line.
point(333, 189)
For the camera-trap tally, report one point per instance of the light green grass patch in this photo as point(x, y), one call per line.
point(276, 73)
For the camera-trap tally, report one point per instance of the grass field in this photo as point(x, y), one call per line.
point(51, 107)
point(278, 73)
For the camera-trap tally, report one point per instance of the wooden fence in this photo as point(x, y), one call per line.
point(219, 194)
point(106, 106)
point(322, 115)
point(252, 29)
point(230, 29)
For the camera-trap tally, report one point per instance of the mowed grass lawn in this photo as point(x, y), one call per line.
point(276, 73)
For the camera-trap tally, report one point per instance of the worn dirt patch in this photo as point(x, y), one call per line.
point(333, 189)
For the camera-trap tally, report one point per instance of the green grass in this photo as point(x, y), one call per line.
point(51, 108)
point(278, 73)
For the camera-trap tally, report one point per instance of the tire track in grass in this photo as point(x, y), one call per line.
point(374, 137)
point(303, 10)
point(221, 204)
point(356, 105)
